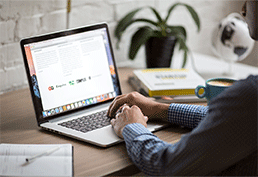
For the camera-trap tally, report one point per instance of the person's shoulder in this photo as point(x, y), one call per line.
point(250, 82)
point(252, 77)
point(244, 89)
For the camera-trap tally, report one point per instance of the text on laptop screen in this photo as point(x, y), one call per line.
point(72, 71)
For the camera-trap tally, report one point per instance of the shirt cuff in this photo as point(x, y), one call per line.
point(133, 130)
point(186, 115)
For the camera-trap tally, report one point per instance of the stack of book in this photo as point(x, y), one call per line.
point(167, 85)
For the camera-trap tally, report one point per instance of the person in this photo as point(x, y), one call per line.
point(223, 140)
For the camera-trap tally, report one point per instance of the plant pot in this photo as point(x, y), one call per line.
point(159, 51)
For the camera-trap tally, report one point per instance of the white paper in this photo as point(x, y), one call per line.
point(13, 160)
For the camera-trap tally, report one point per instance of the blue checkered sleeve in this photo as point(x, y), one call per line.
point(186, 115)
point(145, 148)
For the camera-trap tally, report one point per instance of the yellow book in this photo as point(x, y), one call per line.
point(166, 81)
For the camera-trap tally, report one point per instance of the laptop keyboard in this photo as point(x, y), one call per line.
point(89, 122)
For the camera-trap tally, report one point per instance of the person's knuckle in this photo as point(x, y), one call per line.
point(126, 108)
point(132, 96)
point(116, 98)
point(134, 107)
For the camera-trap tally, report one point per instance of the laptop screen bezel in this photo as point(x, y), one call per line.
point(49, 36)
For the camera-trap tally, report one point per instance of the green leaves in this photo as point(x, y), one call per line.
point(128, 20)
point(158, 28)
point(181, 40)
point(139, 38)
point(195, 16)
point(157, 14)
point(177, 30)
point(190, 9)
point(185, 58)
point(124, 23)
point(119, 32)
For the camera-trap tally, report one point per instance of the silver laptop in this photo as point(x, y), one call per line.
point(73, 79)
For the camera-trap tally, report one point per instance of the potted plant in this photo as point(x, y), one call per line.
point(158, 36)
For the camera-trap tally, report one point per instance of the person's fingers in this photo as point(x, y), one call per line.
point(121, 108)
point(125, 107)
point(113, 102)
point(117, 103)
point(125, 111)
point(117, 98)
point(112, 122)
point(136, 107)
point(146, 118)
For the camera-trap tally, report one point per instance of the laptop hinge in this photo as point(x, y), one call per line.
point(81, 113)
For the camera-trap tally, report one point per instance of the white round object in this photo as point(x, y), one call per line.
point(231, 40)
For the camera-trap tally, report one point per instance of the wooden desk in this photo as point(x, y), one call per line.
point(18, 125)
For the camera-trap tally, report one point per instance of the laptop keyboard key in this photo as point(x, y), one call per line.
point(88, 123)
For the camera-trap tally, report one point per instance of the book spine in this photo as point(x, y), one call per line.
point(141, 85)
point(173, 92)
point(146, 79)
point(133, 82)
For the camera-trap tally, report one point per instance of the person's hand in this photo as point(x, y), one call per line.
point(128, 115)
point(149, 108)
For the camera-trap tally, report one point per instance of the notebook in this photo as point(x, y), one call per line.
point(73, 79)
point(49, 160)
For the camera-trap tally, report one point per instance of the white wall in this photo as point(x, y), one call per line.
point(23, 18)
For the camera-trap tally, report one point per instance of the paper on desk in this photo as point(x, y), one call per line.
point(12, 160)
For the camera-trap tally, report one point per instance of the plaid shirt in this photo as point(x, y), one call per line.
point(143, 146)
point(186, 115)
point(223, 141)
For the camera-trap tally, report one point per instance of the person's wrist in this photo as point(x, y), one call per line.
point(131, 131)
point(162, 111)
point(121, 131)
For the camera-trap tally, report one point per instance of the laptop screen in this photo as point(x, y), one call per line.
point(68, 71)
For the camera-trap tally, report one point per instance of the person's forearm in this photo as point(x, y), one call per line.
point(186, 115)
point(146, 150)
point(160, 111)
point(181, 114)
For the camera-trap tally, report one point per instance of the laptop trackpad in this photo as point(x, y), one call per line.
point(106, 136)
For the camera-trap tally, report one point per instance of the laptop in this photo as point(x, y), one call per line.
point(73, 79)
